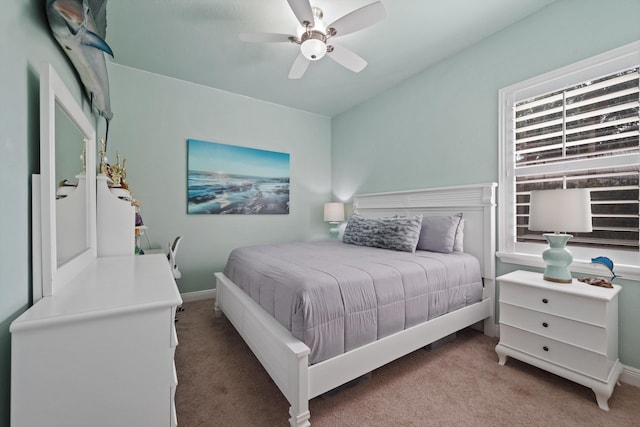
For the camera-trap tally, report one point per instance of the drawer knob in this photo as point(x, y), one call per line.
point(545, 301)
point(545, 348)
point(545, 324)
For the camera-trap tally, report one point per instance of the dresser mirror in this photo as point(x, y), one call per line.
point(71, 238)
point(67, 212)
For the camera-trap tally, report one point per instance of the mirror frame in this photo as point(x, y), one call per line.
point(53, 91)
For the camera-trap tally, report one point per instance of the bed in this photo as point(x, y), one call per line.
point(302, 373)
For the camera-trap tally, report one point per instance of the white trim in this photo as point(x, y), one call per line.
point(54, 92)
point(609, 62)
point(630, 376)
point(198, 295)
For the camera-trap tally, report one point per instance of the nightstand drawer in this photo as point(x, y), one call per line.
point(588, 363)
point(561, 329)
point(570, 306)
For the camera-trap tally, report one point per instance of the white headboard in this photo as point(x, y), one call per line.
point(476, 202)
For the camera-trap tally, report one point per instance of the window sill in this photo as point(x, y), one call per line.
point(625, 272)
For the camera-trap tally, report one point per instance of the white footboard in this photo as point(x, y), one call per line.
point(331, 373)
point(283, 356)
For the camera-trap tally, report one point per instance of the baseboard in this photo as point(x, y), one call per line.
point(630, 376)
point(198, 295)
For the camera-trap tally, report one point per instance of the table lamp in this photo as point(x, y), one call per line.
point(559, 211)
point(334, 215)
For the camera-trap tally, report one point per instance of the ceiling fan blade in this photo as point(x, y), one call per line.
point(299, 67)
point(302, 10)
point(358, 19)
point(264, 37)
point(347, 58)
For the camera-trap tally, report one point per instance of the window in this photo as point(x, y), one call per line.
point(577, 127)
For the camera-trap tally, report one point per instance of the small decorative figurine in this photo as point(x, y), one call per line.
point(606, 262)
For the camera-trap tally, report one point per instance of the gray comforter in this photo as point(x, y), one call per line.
point(335, 297)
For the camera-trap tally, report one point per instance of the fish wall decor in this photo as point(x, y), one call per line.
point(74, 28)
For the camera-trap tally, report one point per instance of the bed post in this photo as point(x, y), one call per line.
point(284, 357)
point(299, 379)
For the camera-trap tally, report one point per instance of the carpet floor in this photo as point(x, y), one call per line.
point(221, 383)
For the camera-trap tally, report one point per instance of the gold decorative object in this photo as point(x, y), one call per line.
point(103, 157)
point(118, 171)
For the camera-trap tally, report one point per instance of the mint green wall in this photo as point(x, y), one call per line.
point(441, 126)
point(153, 118)
point(155, 115)
point(25, 42)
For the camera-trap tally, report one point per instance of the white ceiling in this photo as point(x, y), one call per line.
point(197, 41)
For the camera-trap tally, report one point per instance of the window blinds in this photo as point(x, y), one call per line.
point(584, 136)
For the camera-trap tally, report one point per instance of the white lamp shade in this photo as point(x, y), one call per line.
point(560, 210)
point(334, 212)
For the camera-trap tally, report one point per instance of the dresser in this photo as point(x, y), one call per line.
point(100, 352)
point(568, 329)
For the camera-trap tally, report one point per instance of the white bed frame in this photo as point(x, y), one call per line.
point(286, 358)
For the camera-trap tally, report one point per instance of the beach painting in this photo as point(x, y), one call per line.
point(227, 179)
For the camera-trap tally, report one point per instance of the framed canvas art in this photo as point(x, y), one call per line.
point(227, 179)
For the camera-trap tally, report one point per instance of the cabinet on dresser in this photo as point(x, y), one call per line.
point(116, 219)
point(101, 351)
point(569, 329)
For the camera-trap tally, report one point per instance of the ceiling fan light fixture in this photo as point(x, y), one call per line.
point(313, 35)
point(313, 49)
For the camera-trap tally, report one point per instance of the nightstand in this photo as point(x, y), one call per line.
point(569, 329)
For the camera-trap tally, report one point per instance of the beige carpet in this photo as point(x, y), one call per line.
point(221, 383)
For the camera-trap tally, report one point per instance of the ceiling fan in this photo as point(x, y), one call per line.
point(314, 37)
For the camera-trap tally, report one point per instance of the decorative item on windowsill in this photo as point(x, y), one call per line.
point(600, 281)
point(559, 210)
point(603, 260)
point(334, 215)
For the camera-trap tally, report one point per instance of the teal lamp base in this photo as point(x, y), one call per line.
point(334, 231)
point(558, 258)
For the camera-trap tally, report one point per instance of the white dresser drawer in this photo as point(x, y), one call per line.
point(571, 306)
point(580, 334)
point(585, 362)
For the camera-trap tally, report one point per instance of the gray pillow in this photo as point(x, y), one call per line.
point(438, 234)
point(399, 234)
